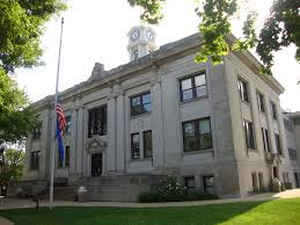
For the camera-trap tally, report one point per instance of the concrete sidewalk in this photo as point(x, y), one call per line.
point(4, 221)
point(28, 203)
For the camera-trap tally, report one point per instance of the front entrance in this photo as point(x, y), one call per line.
point(96, 164)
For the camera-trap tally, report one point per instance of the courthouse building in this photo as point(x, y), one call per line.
point(219, 128)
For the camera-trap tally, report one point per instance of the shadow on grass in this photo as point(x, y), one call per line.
point(231, 213)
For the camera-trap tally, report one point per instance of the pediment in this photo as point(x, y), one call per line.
point(96, 144)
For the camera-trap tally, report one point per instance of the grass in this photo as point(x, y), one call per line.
point(277, 212)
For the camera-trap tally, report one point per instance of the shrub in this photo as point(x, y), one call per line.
point(170, 190)
point(149, 196)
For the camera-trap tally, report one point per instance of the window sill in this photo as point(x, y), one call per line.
point(182, 102)
point(145, 114)
point(141, 160)
point(199, 151)
point(96, 135)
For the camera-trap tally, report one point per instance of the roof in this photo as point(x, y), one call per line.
point(164, 54)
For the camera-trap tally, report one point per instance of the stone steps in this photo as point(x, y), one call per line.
point(121, 188)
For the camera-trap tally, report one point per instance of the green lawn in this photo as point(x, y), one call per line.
point(278, 212)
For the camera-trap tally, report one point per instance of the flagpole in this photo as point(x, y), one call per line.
point(52, 171)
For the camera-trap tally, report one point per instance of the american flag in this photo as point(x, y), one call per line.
point(61, 119)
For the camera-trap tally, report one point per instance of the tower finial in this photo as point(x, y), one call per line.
point(141, 41)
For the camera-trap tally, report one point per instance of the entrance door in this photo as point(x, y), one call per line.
point(96, 165)
point(275, 172)
point(296, 180)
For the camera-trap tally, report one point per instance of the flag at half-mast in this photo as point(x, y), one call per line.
point(60, 126)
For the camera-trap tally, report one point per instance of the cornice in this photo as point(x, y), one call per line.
point(153, 61)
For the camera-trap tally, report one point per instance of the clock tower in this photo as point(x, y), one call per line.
point(141, 42)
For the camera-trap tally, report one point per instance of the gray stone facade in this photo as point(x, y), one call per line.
point(235, 169)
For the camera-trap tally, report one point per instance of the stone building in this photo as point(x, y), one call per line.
point(218, 128)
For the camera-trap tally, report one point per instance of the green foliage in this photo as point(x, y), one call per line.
point(21, 25)
point(281, 29)
point(16, 120)
point(276, 212)
point(169, 185)
point(152, 9)
point(250, 39)
point(170, 190)
point(11, 167)
point(215, 27)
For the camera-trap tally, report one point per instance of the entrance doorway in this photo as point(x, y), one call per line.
point(275, 172)
point(96, 164)
point(297, 183)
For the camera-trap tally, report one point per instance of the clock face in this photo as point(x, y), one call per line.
point(135, 35)
point(150, 35)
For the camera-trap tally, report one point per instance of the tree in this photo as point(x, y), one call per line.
point(281, 29)
point(21, 26)
point(11, 166)
point(16, 120)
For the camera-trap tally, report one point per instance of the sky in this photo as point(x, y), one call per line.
point(96, 31)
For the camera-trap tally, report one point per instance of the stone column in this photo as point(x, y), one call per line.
point(79, 141)
point(121, 147)
point(111, 134)
point(74, 147)
point(255, 114)
point(157, 122)
point(85, 155)
point(270, 124)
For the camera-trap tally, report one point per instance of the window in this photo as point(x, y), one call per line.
point(243, 89)
point(197, 135)
point(261, 181)
point(260, 102)
point(189, 182)
point(249, 134)
point(97, 121)
point(274, 111)
point(285, 177)
point(209, 184)
point(147, 140)
point(193, 87)
point(297, 121)
point(35, 160)
point(140, 104)
point(67, 157)
point(135, 146)
point(68, 126)
point(292, 154)
point(288, 124)
point(278, 144)
point(254, 182)
point(266, 140)
point(36, 132)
